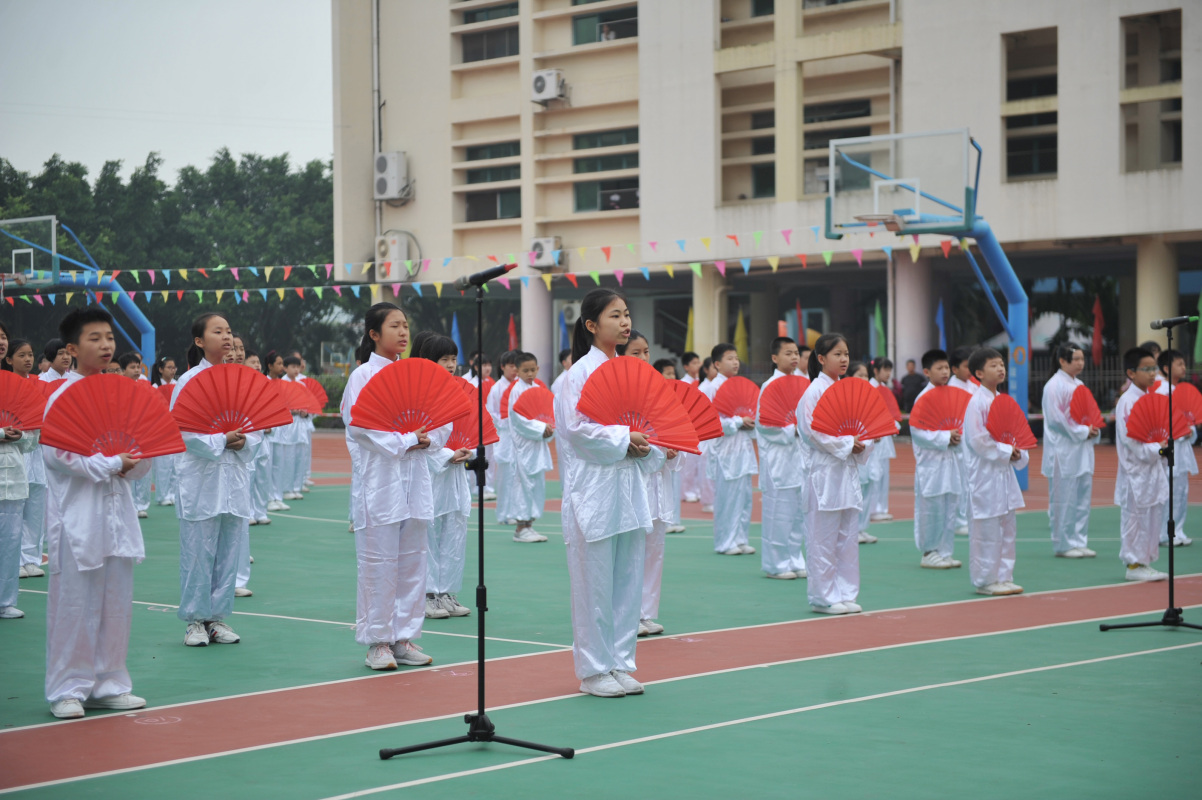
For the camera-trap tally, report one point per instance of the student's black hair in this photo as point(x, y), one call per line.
point(521, 357)
point(826, 343)
point(437, 347)
point(879, 363)
point(236, 335)
point(634, 337)
point(292, 361)
point(687, 358)
point(72, 325)
point(1063, 352)
point(52, 348)
point(779, 342)
point(418, 342)
point(268, 360)
point(509, 357)
point(1151, 346)
point(1132, 357)
point(804, 348)
point(854, 367)
point(125, 359)
point(1164, 360)
point(250, 351)
point(959, 356)
point(373, 320)
point(721, 349)
point(564, 354)
point(932, 357)
point(706, 364)
point(663, 363)
point(195, 354)
point(591, 308)
point(980, 357)
point(156, 369)
point(4, 365)
point(13, 346)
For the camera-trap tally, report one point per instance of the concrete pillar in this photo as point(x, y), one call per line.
point(1155, 286)
point(709, 310)
point(914, 311)
point(1126, 322)
point(537, 328)
point(789, 103)
point(642, 315)
point(761, 326)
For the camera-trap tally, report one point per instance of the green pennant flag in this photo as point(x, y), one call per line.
point(826, 256)
point(318, 290)
point(596, 276)
point(879, 324)
point(696, 267)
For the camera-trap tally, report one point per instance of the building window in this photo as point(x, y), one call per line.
point(820, 140)
point(763, 180)
point(496, 43)
point(763, 119)
point(1152, 129)
point(584, 141)
point(607, 195)
point(1031, 146)
point(607, 163)
point(498, 150)
point(485, 14)
point(504, 204)
point(620, 23)
point(492, 174)
point(764, 145)
point(828, 112)
point(763, 8)
point(1031, 72)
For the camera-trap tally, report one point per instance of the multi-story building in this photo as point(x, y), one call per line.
point(707, 121)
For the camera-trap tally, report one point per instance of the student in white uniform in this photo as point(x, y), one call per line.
point(565, 364)
point(869, 470)
point(447, 534)
point(782, 475)
point(705, 486)
point(832, 486)
point(882, 452)
point(278, 439)
point(530, 457)
point(731, 463)
point(56, 353)
point(501, 453)
point(958, 360)
point(937, 483)
point(94, 540)
point(163, 468)
point(481, 370)
point(307, 428)
point(606, 516)
point(991, 478)
point(212, 502)
point(1068, 458)
point(690, 465)
point(1172, 370)
point(33, 511)
point(131, 367)
point(15, 447)
point(1141, 489)
point(260, 466)
point(392, 503)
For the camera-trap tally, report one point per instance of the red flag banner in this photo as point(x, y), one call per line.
point(1098, 325)
point(513, 334)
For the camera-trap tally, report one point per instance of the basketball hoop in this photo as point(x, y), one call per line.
point(892, 222)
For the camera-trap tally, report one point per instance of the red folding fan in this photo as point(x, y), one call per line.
point(1008, 424)
point(736, 397)
point(940, 409)
point(890, 401)
point(779, 399)
point(1188, 399)
point(296, 397)
point(50, 387)
point(318, 391)
point(1083, 408)
point(155, 393)
point(467, 429)
point(409, 394)
point(853, 408)
point(509, 390)
point(229, 397)
point(1149, 420)
point(537, 403)
point(629, 391)
point(22, 404)
point(700, 410)
point(167, 390)
point(110, 415)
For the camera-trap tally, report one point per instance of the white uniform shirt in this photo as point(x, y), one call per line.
point(688, 378)
point(449, 482)
point(733, 455)
point(89, 503)
point(884, 446)
point(212, 480)
point(557, 384)
point(1143, 477)
point(936, 469)
point(780, 448)
point(967, 386)
point(991, 478)
point(501, 450)
point(1066, 444)
point(51, 374)
point(531, 453)
point(1184, 460)
point(833, 473)
point(661, 500)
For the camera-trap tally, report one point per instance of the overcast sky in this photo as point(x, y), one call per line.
point(100, 80)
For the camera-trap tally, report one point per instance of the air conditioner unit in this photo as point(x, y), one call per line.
point(571, 312)
point(392, 249)
point(391, 180)
point(543, 250)
point(547, 85)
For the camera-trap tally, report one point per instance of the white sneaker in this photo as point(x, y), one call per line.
point(528, 535)
point(242, 591)
point(781, 576)
point(220, 633)
point(800, 573)
point(489, 494)
point(1074, 552)
point(707, 509)
point(962, 530)
point(293, 496)
point(603, 685)
point(452, 605)
point(434, 609)
point(1178, 541)
point(954, 563)
point(34, 571)
point(653, 628)
point(143, 515)
point(166, 502)
point(837, 608)
point(852, 608)
point(866, 538)
point(933, 560)
point(1012, 587)
point(675, 529)
point(67, 708)
point(627, 682)
point(747, 549)
point(273, 505)
point(253, 522)
point(11, 612)
point(994, 589)
point(1136, 572)
point(252, 559)
point(283, 506)
point(350, 527)
point(264, 521)
point(310, 482)
point(734, 551)
point(691, 498)
point(196, 635)
point(379, 656)
point(885, 517)
point(121, 702)
point(410, 655)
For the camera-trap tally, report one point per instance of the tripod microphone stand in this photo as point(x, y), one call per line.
point(1173, 618)
point(480, 727)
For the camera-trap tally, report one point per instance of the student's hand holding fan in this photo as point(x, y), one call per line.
point(1149, 420)
point(851, 407)
point(228, 398)
point(779, 399)
point(630, 392)
point(1083, 408)
point(1008, 424)
point(22, 403)
point(700, 410)
point(737, 397)
point(410, 396)
point(111, 415)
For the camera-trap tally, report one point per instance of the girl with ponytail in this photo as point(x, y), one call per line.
point(1068, 458)
point(392, 504)
point(876, 499)
point(605, 511)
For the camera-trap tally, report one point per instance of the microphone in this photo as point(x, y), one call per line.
point(1171, 322)
point(484, 276)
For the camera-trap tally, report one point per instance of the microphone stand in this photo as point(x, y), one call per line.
point(1173, 618)
point(480, 727)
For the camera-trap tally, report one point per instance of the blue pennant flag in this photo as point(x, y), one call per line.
point(939, 325)
point(646, 272)
point(888, 251)
point(147, 295)
point(254, 271)
point(455, 336)
point(355, 289)
point(565, 342)
point(263, 293)
point(417, 287)
point(746, 262)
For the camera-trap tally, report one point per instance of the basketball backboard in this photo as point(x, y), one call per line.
point(903, 183)
point(29, 247)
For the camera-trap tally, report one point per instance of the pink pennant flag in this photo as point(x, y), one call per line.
point(721, 267)
point(245, 297)
point(607, 250)
point(654, 245)
point(396, 290)
point(235, 271)
point(915, 235)
point(338, 291)
point(503, 281)
point(151, 276)
point(38, 297)
point(788, 234)
point(425, 264)
point(132, 296)
point(329, 270)
point(619, 274)
point(859, 254)
point(530, 257)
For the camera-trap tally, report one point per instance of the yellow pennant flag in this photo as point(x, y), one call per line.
point(183, 273)
point(438, 288)
point(375, 292)
point(581, 251)
point(366, 267)
point(99, 275)
point(280, 294)
point(219, 293)
point(914, 251)
point(963, 244)
point(267, 272)
point(547, 280)
point(164, 293)
point(671, 272)
point(774, 262)
point(72, 294)
point(705, 240)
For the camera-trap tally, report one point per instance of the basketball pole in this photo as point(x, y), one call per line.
point(1173, 616)
point(480, 727)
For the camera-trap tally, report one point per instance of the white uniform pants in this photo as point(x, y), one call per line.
point(33, 518)
point(88, 614)
point(306, 461)
point(653, 569)
point(1068, 510)
point(991, 549)
point(880, 491)
point(447, 543)
point(141, 492)
point(607, 589)
point(503, 481)
point(1140, 530)
point(1180, 506)
point(732, 512)
point(935, 523)
point(391, 603)
point(707, 489)
point(163, 470)
point(527, 494)
point(208, 567)
point(866, 492)
point(261, 482)
point(243, 556)
point(490, 473)
point(963, 512)
point(286, 468)
point(12, 528)
point(692, 469)
point(833, 555)
point(782, 529)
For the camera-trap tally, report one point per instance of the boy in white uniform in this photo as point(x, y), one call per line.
point(937, 482)
point(531, 457)
point(783, 526)
point(1172, 367)
point(1068, 458)
point(731, 465)
point(1142, 486)
point(961, 379)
